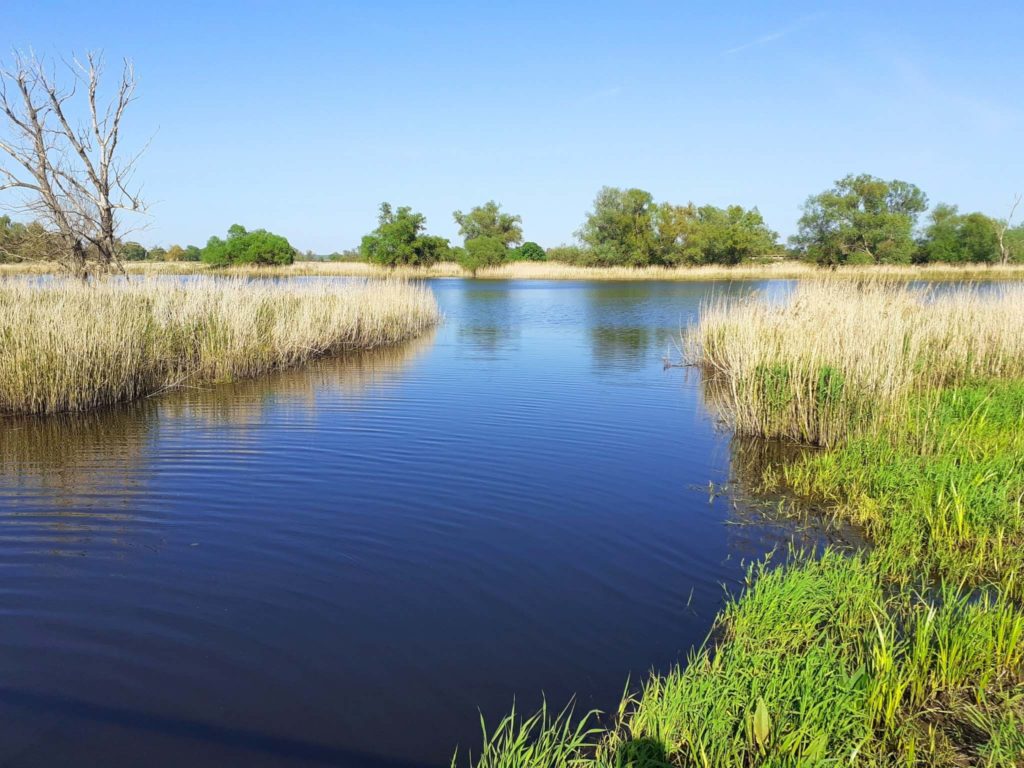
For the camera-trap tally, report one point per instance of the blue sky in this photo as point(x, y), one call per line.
point(301, 117)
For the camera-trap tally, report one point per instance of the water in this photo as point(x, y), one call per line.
point(340, 565)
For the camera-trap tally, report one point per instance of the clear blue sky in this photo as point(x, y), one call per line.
point(302, 116)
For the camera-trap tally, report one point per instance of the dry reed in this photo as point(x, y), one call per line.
point(840, 356)
point(69, 346)
point(553, 270)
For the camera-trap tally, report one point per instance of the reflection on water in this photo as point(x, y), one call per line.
point(73, 466)
point(343, 564)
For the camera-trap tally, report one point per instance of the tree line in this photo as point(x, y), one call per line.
point(63, 167)
point(32, 242)
point(861, 219)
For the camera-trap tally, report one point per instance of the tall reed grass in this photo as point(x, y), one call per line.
point(840, 357)
point(69, 346)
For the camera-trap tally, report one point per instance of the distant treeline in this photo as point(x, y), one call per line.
point(860, 220)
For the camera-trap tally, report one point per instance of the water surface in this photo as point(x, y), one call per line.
point(343, 564)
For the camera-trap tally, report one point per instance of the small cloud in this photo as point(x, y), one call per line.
point(759, 41)
point(771, 37)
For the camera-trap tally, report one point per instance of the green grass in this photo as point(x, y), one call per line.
point(942, 497)
point(910, 653)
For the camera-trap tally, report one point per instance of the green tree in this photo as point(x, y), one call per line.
point(132, 251)
point(243, 247)
point(193, 253)
point(482, 252)
point(862, 219)
point(157, 253)
point(958, 238)
point(620, 230)
point(710, 235)
point(487, 220)
point(399, 239)
point(12, 238)
point(28, 242)
point(1014, 243)
point(528, 251)
point(978, 239)
point(941, 236)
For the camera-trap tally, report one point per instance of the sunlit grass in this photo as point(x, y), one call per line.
point(820, 664)
point(69, 346)
point(542, 740)
point(841, 357)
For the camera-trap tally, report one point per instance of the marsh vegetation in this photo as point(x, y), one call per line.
point(71, 346)
point(908, 653)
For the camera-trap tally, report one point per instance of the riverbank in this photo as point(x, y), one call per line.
point(69, 346)
point(533, 270)
point(910, 653)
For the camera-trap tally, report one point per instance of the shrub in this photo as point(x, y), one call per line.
point(242, 247)
point(570, 254)
point(133, 252)
point(528, 251)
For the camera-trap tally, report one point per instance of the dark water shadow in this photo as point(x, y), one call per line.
point(184, 728)
point(641, 753)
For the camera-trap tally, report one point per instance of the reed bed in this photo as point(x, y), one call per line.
point(70, 346)
point(553, 270)
point(775, 270)
point(841, 357)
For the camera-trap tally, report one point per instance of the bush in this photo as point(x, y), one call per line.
point(528, 251)
point(133, 252)
point(570, 254)
point(242, 247)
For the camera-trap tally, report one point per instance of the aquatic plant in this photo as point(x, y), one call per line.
point(843, 357)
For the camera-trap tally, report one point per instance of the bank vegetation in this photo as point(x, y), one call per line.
point(66, 345)
point(909, 653)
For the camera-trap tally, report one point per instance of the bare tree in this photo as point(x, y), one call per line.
point(1001, 227)
point(62, 154)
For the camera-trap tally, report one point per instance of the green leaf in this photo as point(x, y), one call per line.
point(762, 723)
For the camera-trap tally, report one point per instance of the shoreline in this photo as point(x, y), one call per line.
point(522, 270)
point(908, 651)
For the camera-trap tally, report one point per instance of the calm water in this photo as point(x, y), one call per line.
point(341, 565)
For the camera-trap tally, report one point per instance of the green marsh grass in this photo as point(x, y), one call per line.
point(71, 346)
point(842, 356)
point(911, 651)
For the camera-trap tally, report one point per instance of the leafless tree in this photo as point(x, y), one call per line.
point(1001, 227)
point(61, 151)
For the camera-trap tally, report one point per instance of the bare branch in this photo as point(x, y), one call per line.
point(1001, 227)
point(66, 141)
